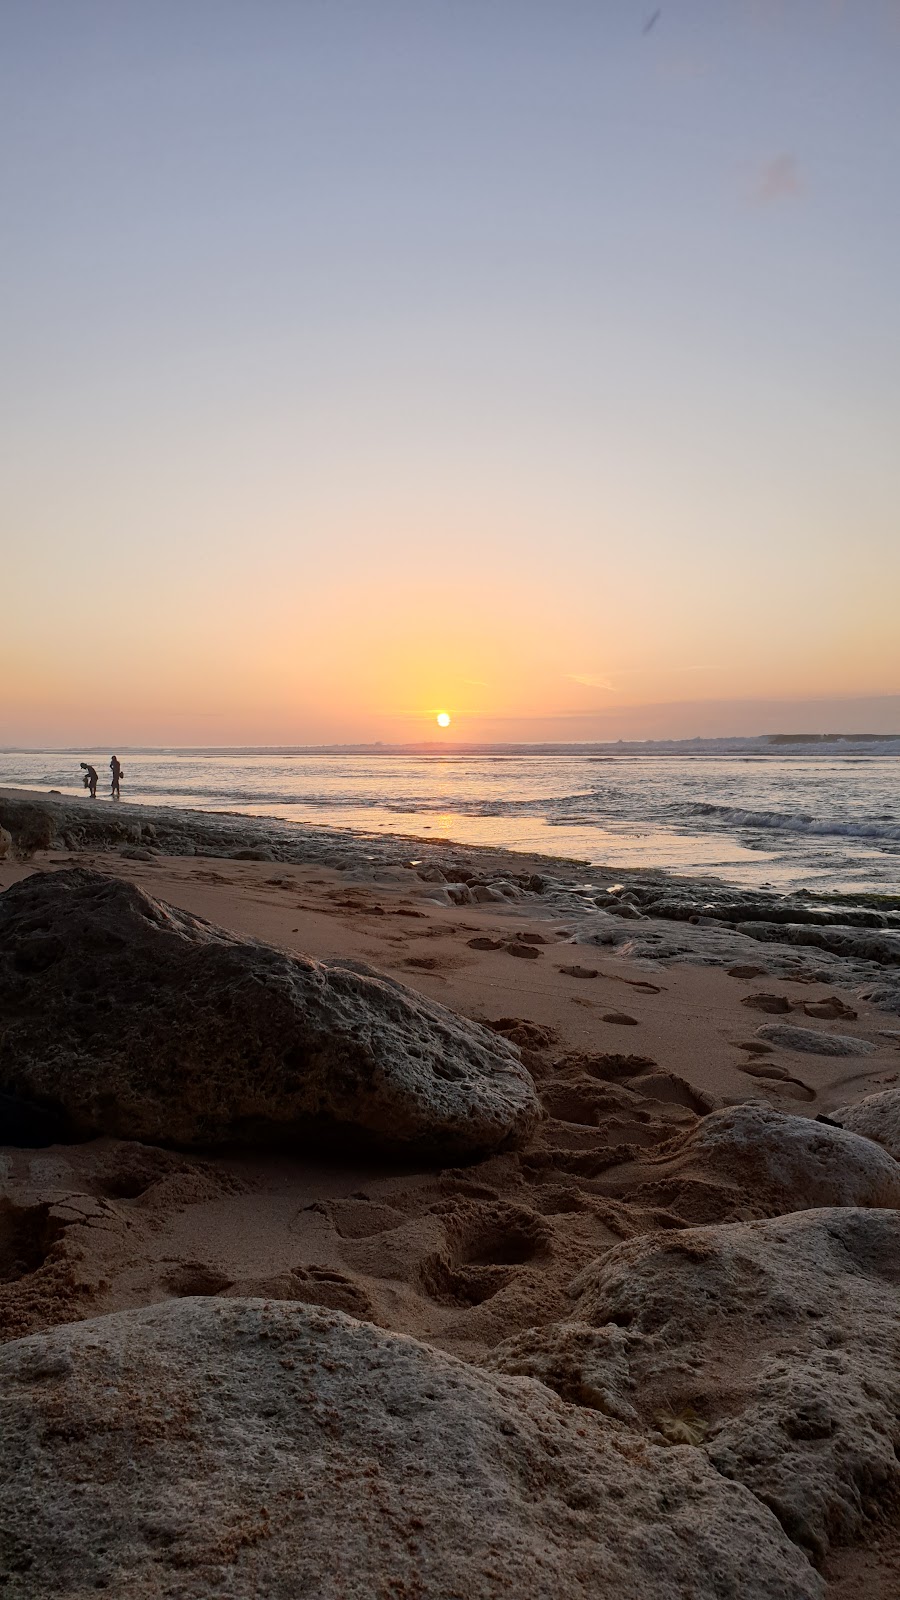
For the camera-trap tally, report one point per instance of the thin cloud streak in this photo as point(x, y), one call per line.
point(590, 681)
point(778, 179)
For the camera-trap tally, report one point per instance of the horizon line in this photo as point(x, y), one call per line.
point(459, 746)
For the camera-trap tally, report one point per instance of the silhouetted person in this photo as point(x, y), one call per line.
point(115, 767)
point(90, 779)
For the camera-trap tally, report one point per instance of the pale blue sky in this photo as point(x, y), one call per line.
point(321, 318)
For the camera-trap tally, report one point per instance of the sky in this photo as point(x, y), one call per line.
point(534, 361)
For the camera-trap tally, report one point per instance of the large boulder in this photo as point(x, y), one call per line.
point(876, 1117)
point(774, 1346)
point(249, 1447)
point(752, 1161)
point(126, 1016)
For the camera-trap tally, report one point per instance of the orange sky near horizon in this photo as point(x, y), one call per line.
point(347, 668)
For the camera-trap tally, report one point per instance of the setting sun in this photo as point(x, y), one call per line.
point(443, 719)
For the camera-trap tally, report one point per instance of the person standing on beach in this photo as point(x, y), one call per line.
point(90, 779)
point(115, 767)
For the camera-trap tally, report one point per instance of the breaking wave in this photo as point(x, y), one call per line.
point(733, 817)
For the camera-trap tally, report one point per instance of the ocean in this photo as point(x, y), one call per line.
point(823, 817)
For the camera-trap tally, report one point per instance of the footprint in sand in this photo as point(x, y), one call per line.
point(613, 1068)
point(779, 1080)
point(775, 1004)
point(527, 1035)
point(422, 963)
point(483, 942)
point(323, 1286)
point(527, 952)
point(196, 1278)
point(620, 1019)
point(746, 972)
point(667, 1088)
point(641, 984)
point(833, 1006)
point(315, 1286)
point(360, 1218)
point(484, 1244)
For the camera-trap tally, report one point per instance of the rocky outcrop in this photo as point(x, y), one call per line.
point(774, 1346)
point(59, 822)
point(250, 1447)
point(126, 1016)
point(810, 1041)
point(858, 943)
point(793, 1163)
point(751, 1161)
point(5, 843)
point(762, 908)
point(876, 1117)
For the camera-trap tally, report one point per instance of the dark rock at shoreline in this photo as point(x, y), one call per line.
point(126, 1016)
point(765, 908)
point(66, 823)
point(861, 944)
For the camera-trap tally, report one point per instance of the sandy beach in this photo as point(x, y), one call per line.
point(629, 1054)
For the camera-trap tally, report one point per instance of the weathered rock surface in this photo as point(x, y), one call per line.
point(761, 907)
point(859, 943)
point(751, 1161)
point(5, 842)
point(794, 1162)
point(250, 1447)
point(773, 1345)
point(129, 1017)
point(65, 823)
point(812, 1042)
point(876, 1117)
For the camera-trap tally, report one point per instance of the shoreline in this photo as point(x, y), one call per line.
point(828, 824)
point(832, 826)
point(202, 830)
point(651, 913)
